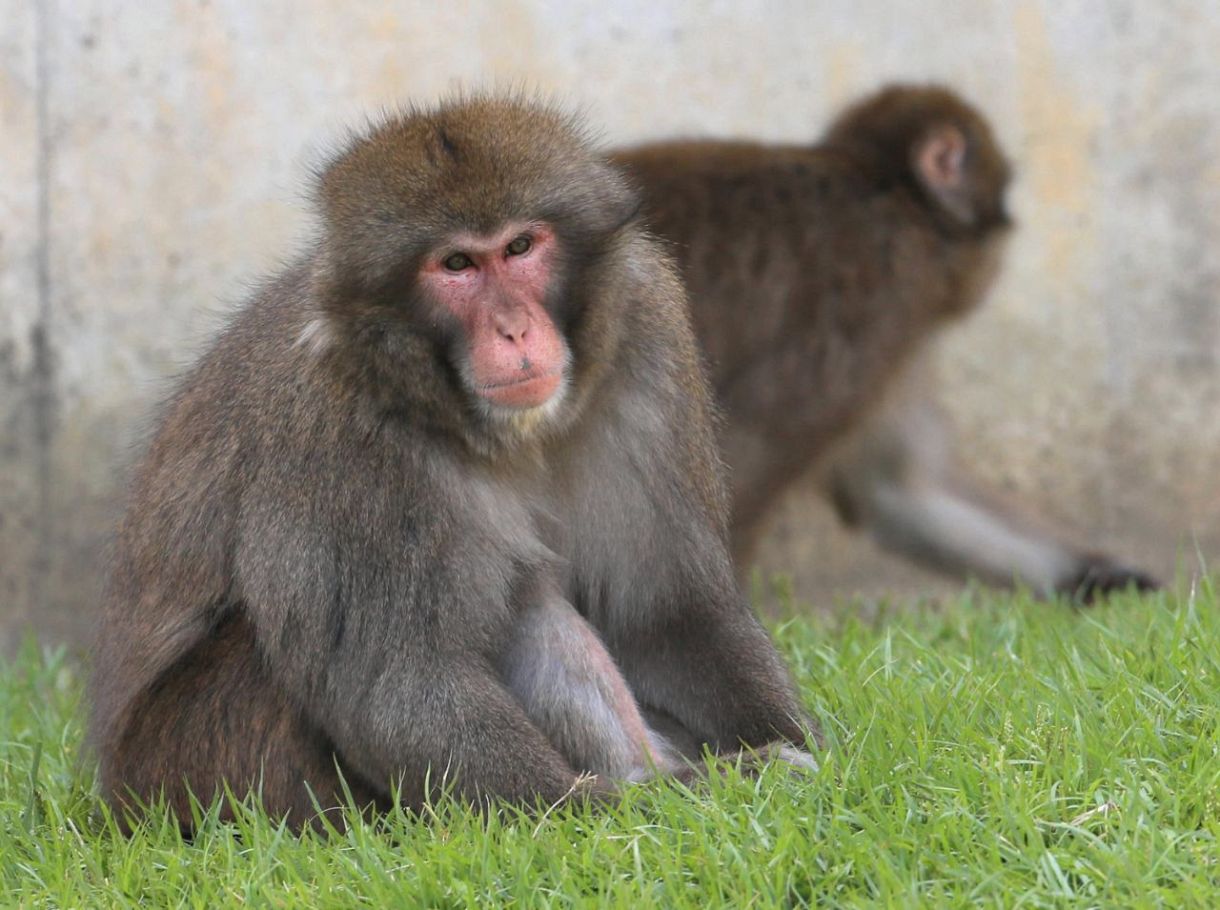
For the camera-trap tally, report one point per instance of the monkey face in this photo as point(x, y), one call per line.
point(460, 268)
point(510, 355)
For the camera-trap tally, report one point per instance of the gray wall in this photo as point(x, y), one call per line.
point(153, 154)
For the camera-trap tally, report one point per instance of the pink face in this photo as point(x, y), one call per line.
point(494, 286)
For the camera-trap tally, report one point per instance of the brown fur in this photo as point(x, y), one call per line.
point(818, 277)
point(328, 544)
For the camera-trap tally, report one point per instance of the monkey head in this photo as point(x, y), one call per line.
point(458, 258)
point(942, 148)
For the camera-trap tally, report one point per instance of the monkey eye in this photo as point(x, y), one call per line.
point(519, 245)
point(457, 262)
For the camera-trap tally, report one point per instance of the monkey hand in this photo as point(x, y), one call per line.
point(1099, 576)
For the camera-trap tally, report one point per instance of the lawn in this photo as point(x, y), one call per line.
point(994, 750)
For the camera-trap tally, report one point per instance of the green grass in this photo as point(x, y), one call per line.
point(993, 751)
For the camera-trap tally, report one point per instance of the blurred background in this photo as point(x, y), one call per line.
point(153, 158)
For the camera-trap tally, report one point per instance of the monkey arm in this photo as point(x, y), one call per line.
point(712, 667)
point(952, 528)
point(396, 710)
point(688, 643)
point(450, 716)
point(943, 528)
point(897, 478)
point(382, 629)
point(893, 479)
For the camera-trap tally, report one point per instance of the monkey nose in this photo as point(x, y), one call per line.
point(512, 326)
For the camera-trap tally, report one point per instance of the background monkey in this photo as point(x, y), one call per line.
point(443, 497)
point(818, 277)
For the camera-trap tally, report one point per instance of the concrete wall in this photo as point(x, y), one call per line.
point(153, 154)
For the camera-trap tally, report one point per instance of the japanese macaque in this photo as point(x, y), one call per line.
point(441, 506)
point(819, 276)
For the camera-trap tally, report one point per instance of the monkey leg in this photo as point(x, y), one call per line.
point(216, 717)
point(569, 685)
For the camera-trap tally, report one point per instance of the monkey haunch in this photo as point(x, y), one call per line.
point(819, 277)
point(442, 500)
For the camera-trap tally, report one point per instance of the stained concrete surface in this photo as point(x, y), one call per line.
point(153, 157)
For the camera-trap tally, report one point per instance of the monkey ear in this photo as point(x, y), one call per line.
point(939, 160)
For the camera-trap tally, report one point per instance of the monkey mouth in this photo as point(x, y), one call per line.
point(524, 391)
